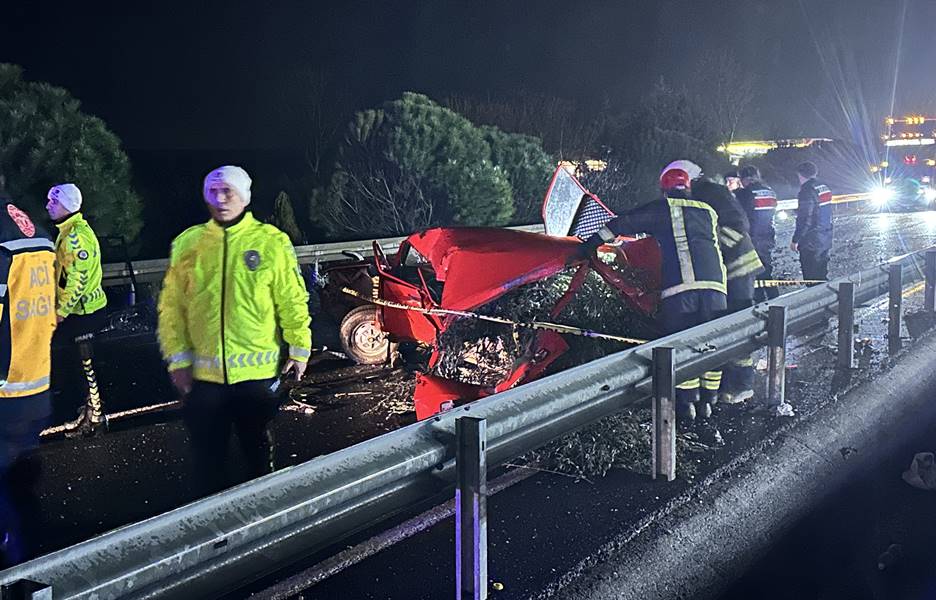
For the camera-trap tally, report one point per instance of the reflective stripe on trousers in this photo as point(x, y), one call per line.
point(25, 386)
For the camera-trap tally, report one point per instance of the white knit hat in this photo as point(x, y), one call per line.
point(235, 177)
point(67, 195)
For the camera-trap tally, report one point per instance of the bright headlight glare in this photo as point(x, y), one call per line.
point(881, 195)
point(929, 193)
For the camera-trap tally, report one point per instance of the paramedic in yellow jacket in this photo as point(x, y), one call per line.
point(231, 296)
point(79, 300)
point(27, 321)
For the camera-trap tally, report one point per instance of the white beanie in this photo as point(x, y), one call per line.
point(234, 177)
point(67, 195)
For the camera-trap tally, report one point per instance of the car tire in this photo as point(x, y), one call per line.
point(362, 338)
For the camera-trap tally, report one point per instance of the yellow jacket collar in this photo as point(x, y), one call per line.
point(70, 222)
point(244, 223)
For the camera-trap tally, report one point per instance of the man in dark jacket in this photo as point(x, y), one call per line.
point(760, 204)
point(813, 235)
point(741, 265)
point(693, 289)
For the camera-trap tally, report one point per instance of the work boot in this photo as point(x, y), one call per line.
point(704, 406)
point(735, 397)
point(686, 404)
point(86, 425)
point(685, 411)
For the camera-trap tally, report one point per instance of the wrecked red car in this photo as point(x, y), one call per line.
point(462, 269)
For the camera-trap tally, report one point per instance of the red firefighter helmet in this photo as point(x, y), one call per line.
point(679, 174)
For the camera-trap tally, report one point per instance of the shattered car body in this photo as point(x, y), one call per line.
point(463, 269)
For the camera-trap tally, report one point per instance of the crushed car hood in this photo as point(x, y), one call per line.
point(489, 262)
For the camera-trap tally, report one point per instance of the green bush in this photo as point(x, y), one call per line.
point(528, 168)
point(409, 165)
point(45, 139)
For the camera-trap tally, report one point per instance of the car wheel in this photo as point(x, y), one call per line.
point(362, 338)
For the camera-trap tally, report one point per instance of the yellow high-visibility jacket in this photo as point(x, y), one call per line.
point(78, 270)
point(27, 305)
point(230, 295)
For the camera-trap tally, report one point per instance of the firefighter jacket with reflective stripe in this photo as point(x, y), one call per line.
point(27, 304)
point(687, 233)
point(78, 268)
point(760, 204)
point(230, 295)
point(737, 249)
point(814, 217)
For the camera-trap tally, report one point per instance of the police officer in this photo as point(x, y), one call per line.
point(813, 235)
point(732, 181)
point(760, 203)
point(741, 266)
point(231, 294)
point(79, 299)
point(693, 270)
point(27, 322)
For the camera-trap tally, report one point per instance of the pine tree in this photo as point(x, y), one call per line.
point(45, 139)
point(285, 218)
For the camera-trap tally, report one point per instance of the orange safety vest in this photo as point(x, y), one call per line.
point(27, 305)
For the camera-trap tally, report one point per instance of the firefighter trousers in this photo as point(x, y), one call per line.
point(675, 317)
point(739, 373)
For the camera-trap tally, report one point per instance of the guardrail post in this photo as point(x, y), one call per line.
point(471, 576)
point(846, 325)
point(776, 358)
point(929, 298)
point(664, 414)
point(895, 290)
point(24, 589)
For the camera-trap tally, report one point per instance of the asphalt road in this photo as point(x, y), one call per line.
point(147, 458)
point(547, 529)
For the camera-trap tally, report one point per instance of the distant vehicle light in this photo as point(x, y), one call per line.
point(881, 196)
point(929, 193)
point(925, 179)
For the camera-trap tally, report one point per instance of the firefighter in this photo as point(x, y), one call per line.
point(79, 299)
point(760, 203)
point(741, 266)
point(813, 235)
point(27, 323)
point(232, 293)
point(693, 270)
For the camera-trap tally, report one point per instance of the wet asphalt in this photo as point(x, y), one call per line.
point(147, 458)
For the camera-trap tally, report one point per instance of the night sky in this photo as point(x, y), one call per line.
point(215, 74)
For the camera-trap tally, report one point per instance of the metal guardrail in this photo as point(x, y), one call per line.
point(148, 271)
point(218, 543)
point(793, 203)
